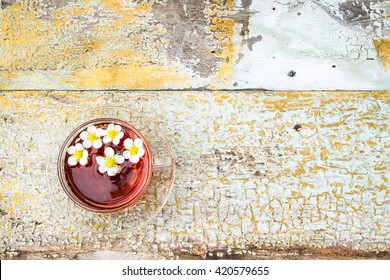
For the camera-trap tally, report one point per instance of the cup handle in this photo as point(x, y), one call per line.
point(162, 162)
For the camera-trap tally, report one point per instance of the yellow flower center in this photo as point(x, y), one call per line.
point(110, 162)
point(78, 154)
point(112, 134)
point(133, 150)
point(92, 137)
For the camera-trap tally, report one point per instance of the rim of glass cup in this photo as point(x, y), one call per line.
point(55, 144)
point(96, 207)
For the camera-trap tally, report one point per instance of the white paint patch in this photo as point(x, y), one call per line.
point(324, 54)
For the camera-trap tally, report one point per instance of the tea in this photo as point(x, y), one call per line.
point(107, 164)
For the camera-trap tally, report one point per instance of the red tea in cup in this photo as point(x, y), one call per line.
point(105, 165)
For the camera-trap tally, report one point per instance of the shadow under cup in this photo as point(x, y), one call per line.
point(100, 192)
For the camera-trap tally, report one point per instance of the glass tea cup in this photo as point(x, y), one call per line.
point(106, 165)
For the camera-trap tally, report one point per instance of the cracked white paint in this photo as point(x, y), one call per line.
point(310, 44)
point(245, 177)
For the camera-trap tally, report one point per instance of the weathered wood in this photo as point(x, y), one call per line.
point(181, 44)
point(262, 174)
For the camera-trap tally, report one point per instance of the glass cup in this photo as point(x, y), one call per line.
point(140, 188)
point(89, 182)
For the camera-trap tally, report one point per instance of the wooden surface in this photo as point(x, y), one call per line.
point(181, 44)
point(246, 179)
point(301, 173)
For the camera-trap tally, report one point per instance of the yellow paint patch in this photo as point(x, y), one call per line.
point(131, 76)
point(112, 5)
point(371, 125)
point(371, 143)
point(219, 99)
point(299, 171)
point(102, 59)
point(381, 188)
point(4, 101)
point(382, 47)
point(279, 104)
point(222, 29)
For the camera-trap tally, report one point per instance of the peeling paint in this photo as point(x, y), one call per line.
point(248, 176)
point(186, 44)
point(223, 29)
point(6, 3)
point(189, 39)
point(369, 15)
point(251, 41)
point(58, 3)
point(383, 49)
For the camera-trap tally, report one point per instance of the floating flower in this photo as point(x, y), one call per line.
point(113, 134)
point(134, 150)
point(77, 154)
point(92, 137)
point(110, 162)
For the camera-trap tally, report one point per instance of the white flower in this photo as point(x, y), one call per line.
point(134, 150)
point(113, 134)
point(92, 137)
point(110, 162)
point(77, 154)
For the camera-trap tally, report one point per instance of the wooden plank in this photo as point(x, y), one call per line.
point(259, 175)
point(217, 44)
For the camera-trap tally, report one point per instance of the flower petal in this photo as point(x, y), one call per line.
point(134, 158)
point(85, 154)
point(141, 152)
point(111, 171)
point(128, 143)
point(117, 128)
point(138, 143)
point(83, 161)
point(109, 152)
point(102, 169)
point(87, 144)
point(79, 147)
point(119, 159)
point(101, 132)
point(72, 161)
point(71, 150)
point(106, 139)
point(101, 161)
point(120, 135)
point(91, 129)
point(97, 144)
point(126, 154)
point(115, 141)
point(84, 135)
point(110, 126)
